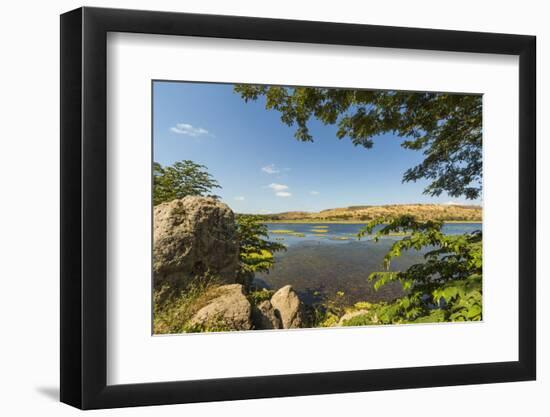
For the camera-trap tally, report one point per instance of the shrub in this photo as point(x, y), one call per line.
point(446, 287)
point(255, 249)
point(257, 296)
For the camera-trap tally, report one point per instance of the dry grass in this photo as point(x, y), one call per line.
point(172, 312)
point(423, 212)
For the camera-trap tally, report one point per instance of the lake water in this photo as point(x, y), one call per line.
point(318, 265)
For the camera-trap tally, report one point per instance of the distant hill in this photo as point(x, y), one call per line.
point(442, 212)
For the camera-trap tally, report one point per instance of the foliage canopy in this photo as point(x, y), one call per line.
point(445, 127)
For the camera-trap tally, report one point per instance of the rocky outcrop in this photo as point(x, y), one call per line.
point(289, 307)
point(265, 317)
point(229, 310)
point(194, 236)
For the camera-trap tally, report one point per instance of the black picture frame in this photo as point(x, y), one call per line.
point(84, 207)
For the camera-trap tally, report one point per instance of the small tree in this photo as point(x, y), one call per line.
point(181, 179)
point(256, 250)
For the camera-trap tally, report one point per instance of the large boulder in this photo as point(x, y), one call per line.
point(229, 310)
point(194, 236)
point(265, 317)
point(289, 307)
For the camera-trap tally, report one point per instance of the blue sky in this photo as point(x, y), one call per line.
point(263, 168)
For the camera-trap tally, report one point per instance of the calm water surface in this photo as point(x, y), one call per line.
point(320, 264)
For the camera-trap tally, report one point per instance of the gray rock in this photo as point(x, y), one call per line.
point(229, 310)
point(265, 317)
point(194, 236)
point(289, 307)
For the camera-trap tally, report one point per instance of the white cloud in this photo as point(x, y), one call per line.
point(270, 169)
point(264, 211)
point(239, 198)
point(314, 192)
point(452, 203)
point(189, 130)
point(278, 187)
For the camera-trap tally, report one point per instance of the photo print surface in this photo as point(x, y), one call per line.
point(284, 207)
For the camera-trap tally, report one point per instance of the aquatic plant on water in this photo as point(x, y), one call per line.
point(287, 232)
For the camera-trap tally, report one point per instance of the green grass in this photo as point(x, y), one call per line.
point(216, 324)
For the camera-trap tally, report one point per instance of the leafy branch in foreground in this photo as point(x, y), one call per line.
point(447, 128)
point(255, 249)
point(446, 287)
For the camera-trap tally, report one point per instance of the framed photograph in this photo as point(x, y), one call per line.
point(257, 208)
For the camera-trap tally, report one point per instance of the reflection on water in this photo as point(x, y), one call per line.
point(329, 258)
